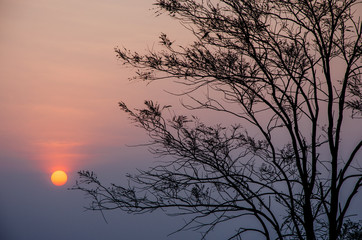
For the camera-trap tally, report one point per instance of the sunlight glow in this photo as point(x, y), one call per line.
point(59, 178)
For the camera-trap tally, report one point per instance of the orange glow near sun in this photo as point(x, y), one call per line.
point(59, 178)
point(59, 155)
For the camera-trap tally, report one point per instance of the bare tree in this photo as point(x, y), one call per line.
point(351, 230)
point(290, 70)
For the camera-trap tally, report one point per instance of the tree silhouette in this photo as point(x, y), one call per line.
point(290, 72)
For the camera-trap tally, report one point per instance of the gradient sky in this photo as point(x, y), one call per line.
point(60, 83)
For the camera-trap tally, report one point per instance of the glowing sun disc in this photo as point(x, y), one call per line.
point(59, 178)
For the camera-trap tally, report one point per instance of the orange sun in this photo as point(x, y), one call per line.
point(59, 178)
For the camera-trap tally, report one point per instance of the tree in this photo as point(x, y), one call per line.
point(271, 65)
point(351, 231)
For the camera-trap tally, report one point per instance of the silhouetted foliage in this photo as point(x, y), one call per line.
point(351, 231)
point(290, 72)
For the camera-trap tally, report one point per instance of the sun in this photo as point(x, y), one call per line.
point(59, 178)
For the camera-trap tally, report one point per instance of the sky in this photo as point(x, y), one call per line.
point(60, 84)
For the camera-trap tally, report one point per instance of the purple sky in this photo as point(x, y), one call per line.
point(59, 89)
point(60, 83)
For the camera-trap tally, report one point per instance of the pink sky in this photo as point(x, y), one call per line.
point(60, 79)
point(60, 84)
